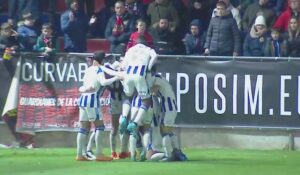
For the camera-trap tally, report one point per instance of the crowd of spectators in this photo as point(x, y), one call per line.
point(192, 27)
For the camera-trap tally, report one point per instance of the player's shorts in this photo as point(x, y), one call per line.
point(169, 118)
point(138, 83)
point(115, 106)
point(89, 114)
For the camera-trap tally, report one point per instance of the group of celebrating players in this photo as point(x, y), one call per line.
point(135, 89)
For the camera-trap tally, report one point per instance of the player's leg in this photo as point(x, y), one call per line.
point(143, 91)
point(169, 140)
point(113, 135)
point(82, 134)
point(116, 110)
point(99, 126)
point(90, 145)
point(128, 88)
point(133, 138)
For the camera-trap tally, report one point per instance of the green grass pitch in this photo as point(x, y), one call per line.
point(61, 161)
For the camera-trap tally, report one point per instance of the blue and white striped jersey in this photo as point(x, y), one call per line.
point(138, 59)
point(91, 79)
point(168, 99)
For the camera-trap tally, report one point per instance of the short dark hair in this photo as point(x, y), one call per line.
point(99, 56)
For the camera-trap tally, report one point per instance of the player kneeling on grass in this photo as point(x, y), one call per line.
point(163, 89)
point(89, 110)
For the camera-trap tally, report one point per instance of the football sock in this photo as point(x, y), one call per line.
point(124, 142)
point(112, 139)
point(98, 140)
point(81, 141)
point(166, 142)
point(132, 145)
point(91, 142)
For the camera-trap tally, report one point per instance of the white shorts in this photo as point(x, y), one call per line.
point(138, 83)
point(89, 114)
point(169, 118)
point(115, 106)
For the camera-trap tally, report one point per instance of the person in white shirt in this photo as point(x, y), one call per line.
point(138, 60)
point(163, 90)
point(89, 107)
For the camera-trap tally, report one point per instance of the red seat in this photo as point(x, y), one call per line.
point(99, 5)
point(91, 44)
point(61, 6)
point(98, 44)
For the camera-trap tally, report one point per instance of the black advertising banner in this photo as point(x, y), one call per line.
point(210, 92)
point(245, 93)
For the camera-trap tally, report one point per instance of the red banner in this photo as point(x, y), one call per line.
point(48, 93)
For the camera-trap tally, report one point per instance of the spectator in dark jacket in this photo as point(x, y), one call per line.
point(46, 41)
point(275, 46)
point(198, 9)
point(74, 25)
point(136, 9)
point(163, 38)
point(223, 37)
point(102, 17)
point(119, 28)
point(255, 40)
point(8, 38)
point(27, 32)
point(293, 37)
point(194, 41)
point(259, 7)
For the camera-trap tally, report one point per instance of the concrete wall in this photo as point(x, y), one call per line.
point(189, 138)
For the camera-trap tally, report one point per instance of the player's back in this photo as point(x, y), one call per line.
point(165, 87)
point(90, 78)
point(138, 55)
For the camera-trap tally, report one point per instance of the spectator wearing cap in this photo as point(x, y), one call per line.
point(163, 38)
point(119, 28)
point(74, 25)
point(141, 31)
point(223, 37)
point(163, 8)
point(255, 9)
point(282, 21)
point(255, 40)
point(194, 41)
point(27, 33)
point(276, 45)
